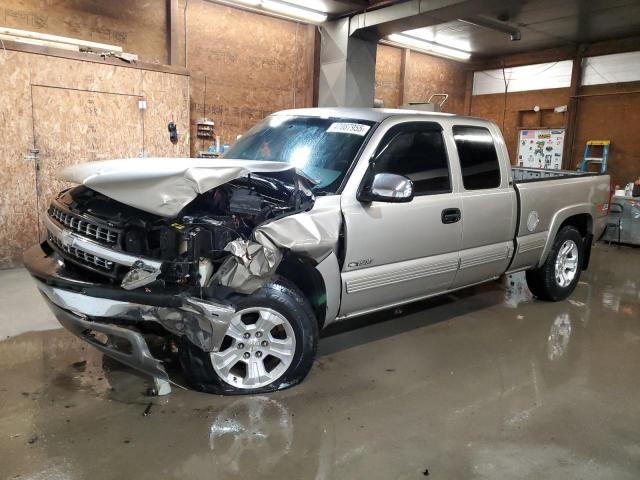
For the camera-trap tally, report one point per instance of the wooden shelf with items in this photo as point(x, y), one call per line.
point(205, 128)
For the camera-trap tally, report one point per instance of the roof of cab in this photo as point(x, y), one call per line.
point(370, 114)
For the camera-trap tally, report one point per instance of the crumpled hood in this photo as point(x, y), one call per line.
point(162, 186)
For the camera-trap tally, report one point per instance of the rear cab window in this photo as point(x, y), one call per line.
point(478, 157)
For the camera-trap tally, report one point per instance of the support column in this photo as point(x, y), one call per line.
point(347, 68)
point(404, 76)
point(572, 111)
point(468, 93)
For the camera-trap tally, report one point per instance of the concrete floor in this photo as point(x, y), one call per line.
point(485, 383)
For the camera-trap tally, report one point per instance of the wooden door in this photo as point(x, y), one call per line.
point(18, 219)
point(75, 126)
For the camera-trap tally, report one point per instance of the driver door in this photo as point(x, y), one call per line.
point(399, 252)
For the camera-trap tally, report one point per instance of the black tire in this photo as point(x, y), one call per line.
point(542, 281)
point(283, 297)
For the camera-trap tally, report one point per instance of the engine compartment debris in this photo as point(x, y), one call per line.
point(221, 238)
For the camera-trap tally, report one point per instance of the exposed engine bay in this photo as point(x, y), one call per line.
point(207, 248)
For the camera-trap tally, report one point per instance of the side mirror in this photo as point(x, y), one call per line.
point(387, 187)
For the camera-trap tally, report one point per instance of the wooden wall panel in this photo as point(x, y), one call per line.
point(244, 66)
point(96, 77)
point(167, 99)
point(493, 107)
point(76, 126)
point(429, 75)
point(613, 117)
point(75, 111)
point(388, 77)
point(18, 207)
point(137, 26)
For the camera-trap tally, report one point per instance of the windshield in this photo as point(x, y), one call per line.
point(323, 148)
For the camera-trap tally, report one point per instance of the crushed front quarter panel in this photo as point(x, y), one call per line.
point(313, 234)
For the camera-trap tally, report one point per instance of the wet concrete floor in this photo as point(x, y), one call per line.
point(486, 383)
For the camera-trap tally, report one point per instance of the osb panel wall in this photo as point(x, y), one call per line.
point(94, 126)
point(137, 26)
point(83, 110)
point(167, 99)
point(612, 117)
point(506, 115)
point(17, 174)
point(388, 65)
point(244, 66)
point(429, 75)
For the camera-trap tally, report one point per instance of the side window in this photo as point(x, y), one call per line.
point(478, 158)
point(417, 151)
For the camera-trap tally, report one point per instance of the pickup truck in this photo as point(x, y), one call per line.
point(313, 216)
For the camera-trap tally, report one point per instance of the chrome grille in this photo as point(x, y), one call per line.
point(83, 227)
point(83, 257)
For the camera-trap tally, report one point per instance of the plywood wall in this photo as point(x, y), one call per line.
point(244, 66)
point(614, 116)
point(504, 110)
point(388, 78)
point(429, 75)
point(138, 26)
point(426, 75)
point(74, 111)
point(18, 200)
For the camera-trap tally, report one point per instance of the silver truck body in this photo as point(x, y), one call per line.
point(369, 255)
point(385, 265)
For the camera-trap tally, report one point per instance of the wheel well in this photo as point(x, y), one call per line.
point(303, 273)
point(582, 222)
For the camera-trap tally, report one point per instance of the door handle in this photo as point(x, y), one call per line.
point(451, 215)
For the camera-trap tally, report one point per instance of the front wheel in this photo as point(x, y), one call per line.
point(270, 345)
point(557, 278)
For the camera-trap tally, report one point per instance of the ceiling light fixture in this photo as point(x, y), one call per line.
point(253, 3)
point(296, 11)
point(427, 46)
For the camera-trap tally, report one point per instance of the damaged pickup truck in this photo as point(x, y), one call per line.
point(313, 216)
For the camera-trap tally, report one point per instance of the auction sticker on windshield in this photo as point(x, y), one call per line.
point(353, 128)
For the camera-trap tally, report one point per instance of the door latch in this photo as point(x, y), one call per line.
point(33, 154)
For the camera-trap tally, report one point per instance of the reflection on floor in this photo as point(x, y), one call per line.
point(485, 383)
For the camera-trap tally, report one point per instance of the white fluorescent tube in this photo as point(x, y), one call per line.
point(429, 46)
point(294, 11)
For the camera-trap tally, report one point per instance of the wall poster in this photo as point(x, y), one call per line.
point(541, 148)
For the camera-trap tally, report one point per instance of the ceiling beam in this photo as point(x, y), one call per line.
point(376, 24)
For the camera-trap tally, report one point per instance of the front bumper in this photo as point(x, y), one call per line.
point(84, 307)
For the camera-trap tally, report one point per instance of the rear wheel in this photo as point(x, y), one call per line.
point(270, 345)
point(557, 278)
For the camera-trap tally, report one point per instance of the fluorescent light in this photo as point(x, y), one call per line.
point(451, 52)
point(442, 37)
point(253, 3)
point(429, 46)
point(295, 11)
point(319, 5)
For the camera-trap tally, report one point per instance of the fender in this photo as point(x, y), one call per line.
point(330, 272)
point(557, 220)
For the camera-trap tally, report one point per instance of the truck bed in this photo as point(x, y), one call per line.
point(528, 174)
point(545, 199)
